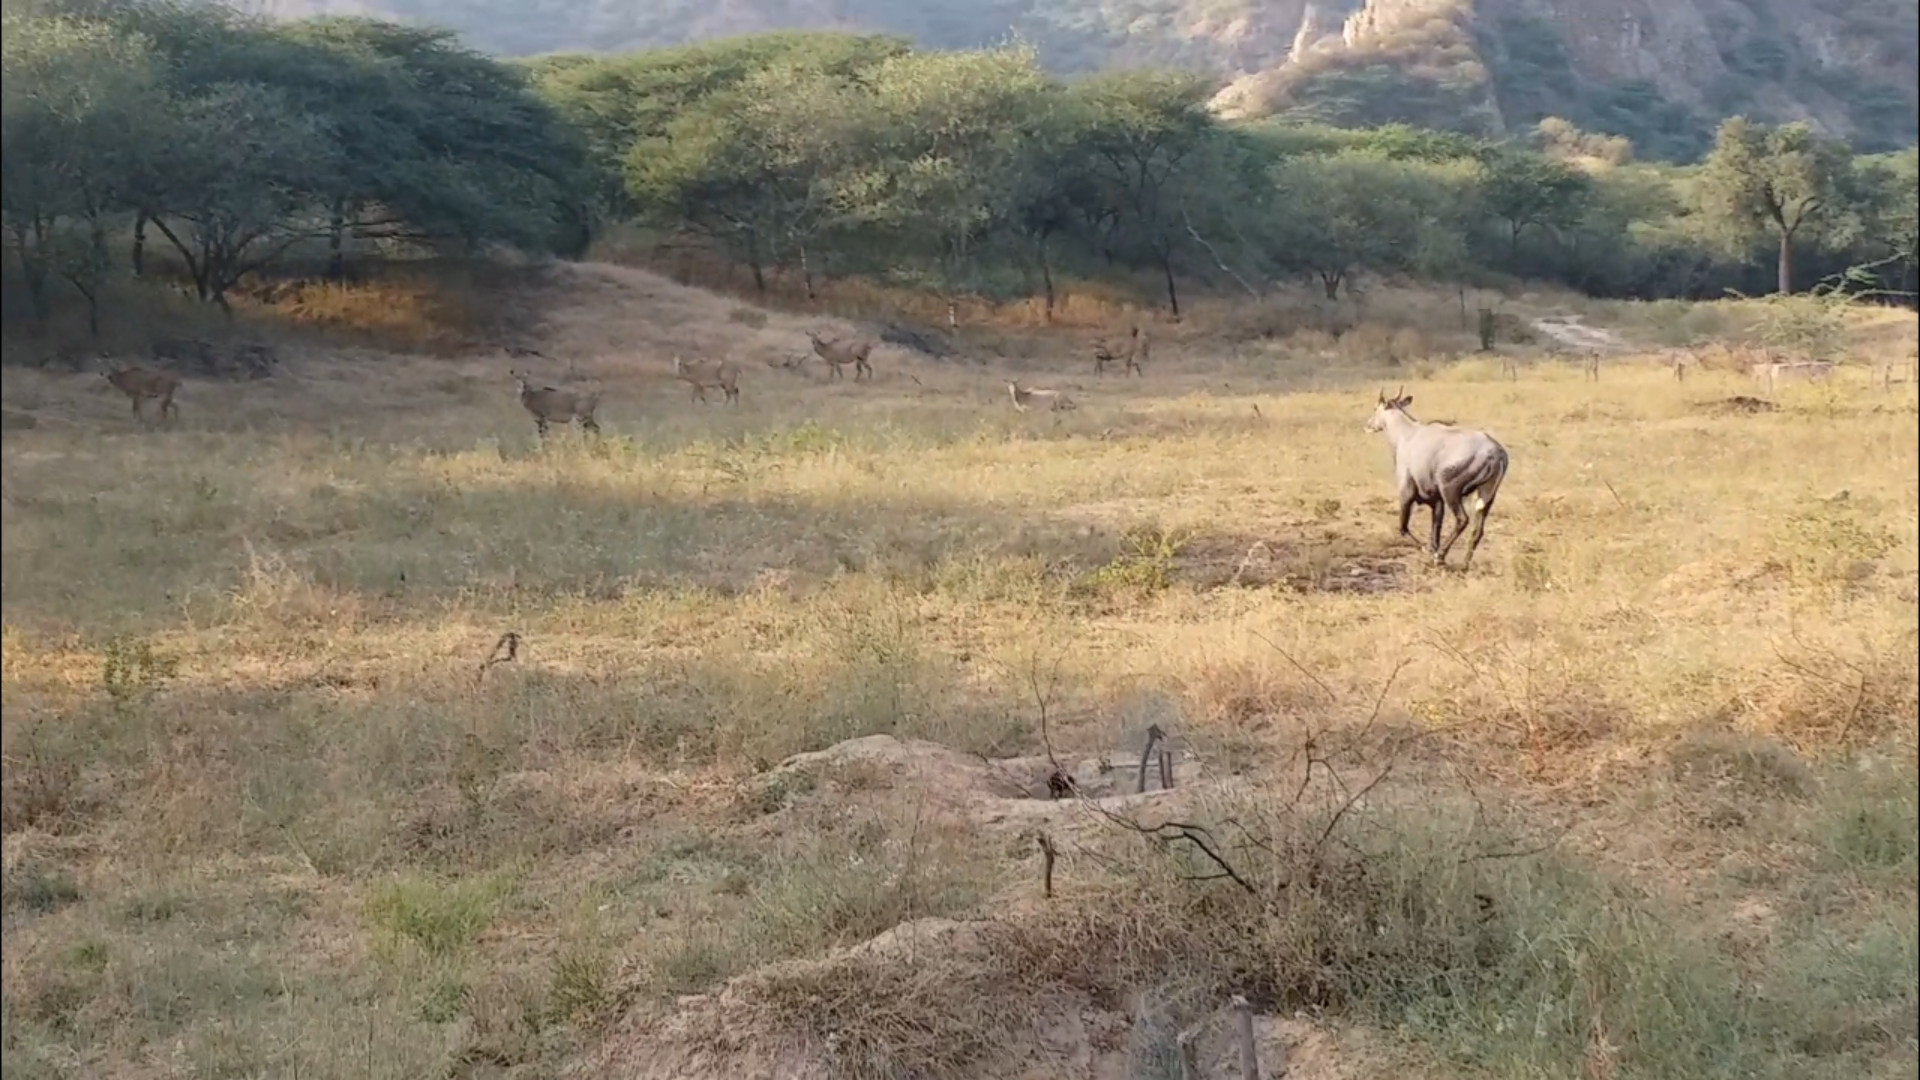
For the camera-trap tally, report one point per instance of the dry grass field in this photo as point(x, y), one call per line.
point(763, 790)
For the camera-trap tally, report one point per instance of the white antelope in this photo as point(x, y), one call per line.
point(1453, 470)
point(1054, 400)
point(1771, 375)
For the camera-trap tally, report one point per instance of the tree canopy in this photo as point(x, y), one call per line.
point(233, 142)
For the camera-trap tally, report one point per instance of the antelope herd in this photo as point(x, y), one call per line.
point(1451, 470)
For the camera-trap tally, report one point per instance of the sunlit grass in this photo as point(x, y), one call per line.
point(261, 796)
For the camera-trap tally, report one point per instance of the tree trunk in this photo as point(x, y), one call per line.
point(806, 274)
point(336, 242)
point(1785, 268)
point(92, 296)
point(140, 244)
point(1046, 279)
point(1173, 293)
point(34, 265)
point(1330, 281)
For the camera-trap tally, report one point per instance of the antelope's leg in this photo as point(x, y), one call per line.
point(1459, 510)
point(1439, 516)
point(1406, 515)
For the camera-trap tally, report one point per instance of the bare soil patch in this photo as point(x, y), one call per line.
point(1333, 562)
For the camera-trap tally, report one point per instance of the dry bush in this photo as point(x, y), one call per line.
point(1749, 765)
point(416, 315)
point(1832, 691)
point(34, 792)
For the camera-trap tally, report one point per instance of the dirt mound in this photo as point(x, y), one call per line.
point(985, 791)
point(1329, 563)
point(933, 997)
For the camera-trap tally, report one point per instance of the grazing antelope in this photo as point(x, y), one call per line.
point(1443, 467)
point(705, 374)
point(550, 405)
point(1134, 355)
point(140, 383)
point(1054, 400)
point(1771, 375)
point(838, 354)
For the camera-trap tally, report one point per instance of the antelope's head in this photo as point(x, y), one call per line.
point(1386, 406)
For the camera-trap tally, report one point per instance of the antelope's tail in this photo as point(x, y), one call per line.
point(1486, 487)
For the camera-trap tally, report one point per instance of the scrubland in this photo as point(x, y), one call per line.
point(1634, 797)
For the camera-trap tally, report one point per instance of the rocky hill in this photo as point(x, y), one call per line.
point(1660, 71)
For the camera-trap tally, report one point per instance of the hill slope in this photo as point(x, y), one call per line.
point(1661, 72)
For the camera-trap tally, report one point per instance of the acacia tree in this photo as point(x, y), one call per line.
point(1888, 196)
point(1355, 211)
point(1524, 191)
point(237, 182)
point(943, 158)
point(1146, 140)
point(1051, 188)
point(747, 168)
point(82, 108)
point(1783, 183)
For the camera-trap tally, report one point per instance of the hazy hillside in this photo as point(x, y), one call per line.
point(1659, 72)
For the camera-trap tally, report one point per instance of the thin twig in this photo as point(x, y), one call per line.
point(1047, 853)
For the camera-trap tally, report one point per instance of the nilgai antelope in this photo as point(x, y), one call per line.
point(140, 383)
point(1054, 400)
point(1450, 469)
point(551, 405)
point(703, 375)
point(1771, 375)
point(1133, 356)
point(838, 354)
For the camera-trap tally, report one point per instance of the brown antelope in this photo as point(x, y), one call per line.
point(1054, 400)
point(140, 383)
point(549, 405)
point(703, 375)
point(838, 354)
point(1133, 356)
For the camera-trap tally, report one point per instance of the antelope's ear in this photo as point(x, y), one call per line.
point(1405, 400)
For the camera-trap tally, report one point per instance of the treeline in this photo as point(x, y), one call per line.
point(231, 141)
point(976, 172)
point(235, 141)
